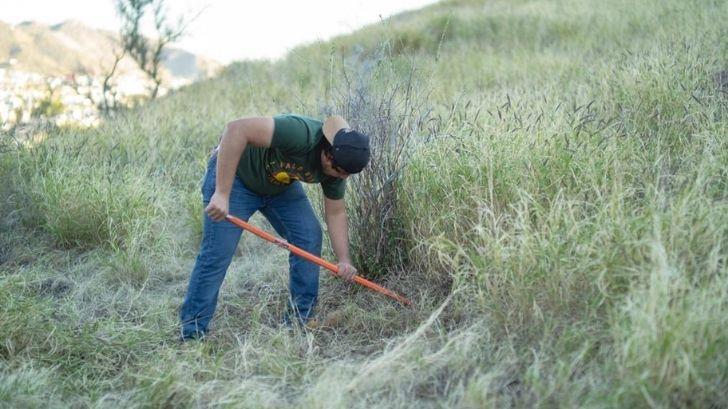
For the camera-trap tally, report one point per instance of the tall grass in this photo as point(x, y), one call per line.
point(562, 232)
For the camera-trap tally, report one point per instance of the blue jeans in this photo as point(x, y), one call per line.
point(291, 215)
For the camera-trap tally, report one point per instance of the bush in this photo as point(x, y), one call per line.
point(48, 107)
point(387, 100)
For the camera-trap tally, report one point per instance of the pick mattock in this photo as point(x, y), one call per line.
point(310, 257)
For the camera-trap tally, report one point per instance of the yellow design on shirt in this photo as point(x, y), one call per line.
point(284, 177)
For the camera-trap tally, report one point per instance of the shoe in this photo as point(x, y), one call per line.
point(334, 318)
point(197, 336)
point(330, 321)
point(313, 324)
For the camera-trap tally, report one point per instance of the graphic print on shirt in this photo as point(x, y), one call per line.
point(285, 173)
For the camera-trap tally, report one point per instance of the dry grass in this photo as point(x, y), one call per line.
point(563, 231)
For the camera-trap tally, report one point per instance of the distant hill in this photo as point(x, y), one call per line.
point(72, 47)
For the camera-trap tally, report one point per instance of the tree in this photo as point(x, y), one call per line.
point(146, 52)
point(109, 100)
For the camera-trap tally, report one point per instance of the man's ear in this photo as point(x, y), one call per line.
point(327, 156)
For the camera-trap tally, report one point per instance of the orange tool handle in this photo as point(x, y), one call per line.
point(310, 257)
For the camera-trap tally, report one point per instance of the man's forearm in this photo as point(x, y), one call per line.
point(232, 145)
point(339, 235)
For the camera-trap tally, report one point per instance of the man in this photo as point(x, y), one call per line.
point(259, 166)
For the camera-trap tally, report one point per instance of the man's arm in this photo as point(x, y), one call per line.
point(335, 214)
point(237, 134)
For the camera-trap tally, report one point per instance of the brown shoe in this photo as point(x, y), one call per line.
point(334, 318)
point(313, 324)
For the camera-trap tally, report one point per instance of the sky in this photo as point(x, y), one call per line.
point(228, 30)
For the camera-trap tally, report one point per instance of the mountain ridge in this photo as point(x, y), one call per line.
point(71, 47)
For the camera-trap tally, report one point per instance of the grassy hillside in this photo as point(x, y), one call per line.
point(561, 224)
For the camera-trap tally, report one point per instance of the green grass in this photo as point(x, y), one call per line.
point(564, 230)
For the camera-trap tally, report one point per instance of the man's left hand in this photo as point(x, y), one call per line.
point(346, 271)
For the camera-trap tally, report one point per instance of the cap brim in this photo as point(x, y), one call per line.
point(332, 125)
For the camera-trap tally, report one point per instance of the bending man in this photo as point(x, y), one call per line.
point(259, 166)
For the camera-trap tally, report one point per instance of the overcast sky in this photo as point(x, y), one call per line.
point(229, 30)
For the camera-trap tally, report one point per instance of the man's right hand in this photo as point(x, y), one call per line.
point(217, 209)
point(257, 131)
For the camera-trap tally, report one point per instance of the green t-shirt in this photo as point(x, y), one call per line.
point(294, 154)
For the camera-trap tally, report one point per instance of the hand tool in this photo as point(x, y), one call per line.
point(310, 257)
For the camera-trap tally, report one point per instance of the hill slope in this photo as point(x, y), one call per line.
point(561, 225)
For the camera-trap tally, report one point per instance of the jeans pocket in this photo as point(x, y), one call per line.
point(208, 181)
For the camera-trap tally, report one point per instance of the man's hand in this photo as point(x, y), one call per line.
point(217, 209)
point(238, 133)
point(346, 271)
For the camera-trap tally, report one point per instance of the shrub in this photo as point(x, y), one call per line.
point(390, 106)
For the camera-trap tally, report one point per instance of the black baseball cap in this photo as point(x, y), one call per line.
point(349, 147)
